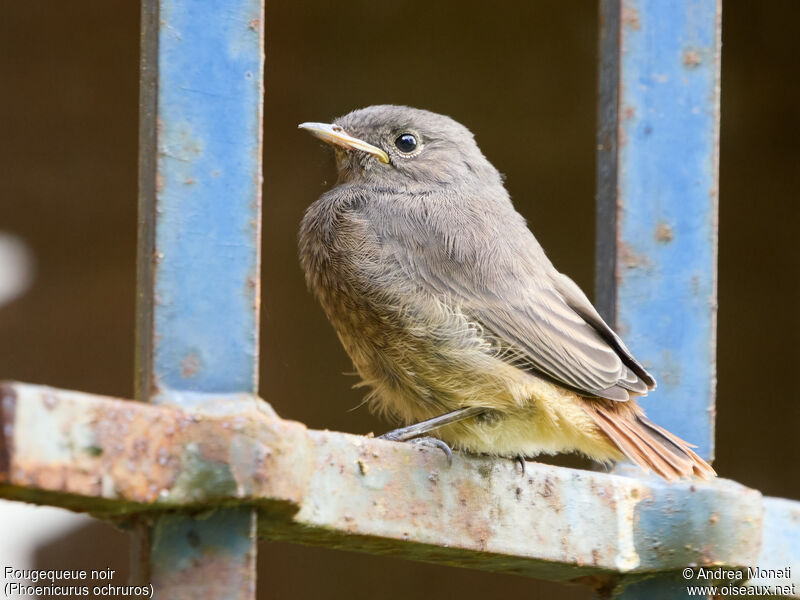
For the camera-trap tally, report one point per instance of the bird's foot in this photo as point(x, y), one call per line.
point(521, 460)
point(432, 442)
point(400, 435)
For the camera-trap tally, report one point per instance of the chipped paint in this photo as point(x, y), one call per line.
point(691, 59)
point(198, 309)
point(664, 233)
point(657, 201)
point(347, 491)
point(201, 205)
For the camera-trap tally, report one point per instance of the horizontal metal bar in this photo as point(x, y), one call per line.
point(115, 458)
point(780, 550)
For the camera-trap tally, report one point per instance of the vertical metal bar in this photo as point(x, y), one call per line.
point(658, 140)
point(199, 239)
point(657, 199)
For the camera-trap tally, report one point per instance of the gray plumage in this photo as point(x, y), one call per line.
point(441, 294)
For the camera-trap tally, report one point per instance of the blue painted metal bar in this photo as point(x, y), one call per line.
point(657, 176)
point(657, 199)
point(202, 196)
point(199, 241)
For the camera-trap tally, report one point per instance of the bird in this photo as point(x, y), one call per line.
point(452, 314)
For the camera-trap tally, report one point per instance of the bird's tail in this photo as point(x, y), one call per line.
point(648, 445)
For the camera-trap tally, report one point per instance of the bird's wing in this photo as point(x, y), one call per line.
point(541, 319)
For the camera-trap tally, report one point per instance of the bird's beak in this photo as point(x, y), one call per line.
point(335, 135)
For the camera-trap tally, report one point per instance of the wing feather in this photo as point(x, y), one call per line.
point(541, 317)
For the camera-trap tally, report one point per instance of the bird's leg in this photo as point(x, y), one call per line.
point(417, 429)
point(411, 431)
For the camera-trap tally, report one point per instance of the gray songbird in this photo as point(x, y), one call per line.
point(452, 313)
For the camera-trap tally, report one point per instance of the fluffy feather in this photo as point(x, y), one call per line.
point(444, 299)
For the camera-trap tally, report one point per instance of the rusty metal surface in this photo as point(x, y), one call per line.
point(117, 459)
point(215, 544)
point(200, 197)
point(779, 562)
point(198, 278)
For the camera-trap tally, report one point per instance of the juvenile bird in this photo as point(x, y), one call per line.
point(453, 315)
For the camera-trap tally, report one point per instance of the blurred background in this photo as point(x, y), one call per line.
point(520, 75)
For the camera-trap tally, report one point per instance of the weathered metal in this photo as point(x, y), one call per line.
point(116, 459)
point(199, 251)
point(200, 196)
point(657, 199)
point(192, 470)
point(780, 549)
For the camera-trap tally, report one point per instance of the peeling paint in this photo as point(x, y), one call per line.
point(342, 490)
point(630, 15)
point(691, 59)
point(664, 233)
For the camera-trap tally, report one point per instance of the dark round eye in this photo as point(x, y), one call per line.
point(406, 142)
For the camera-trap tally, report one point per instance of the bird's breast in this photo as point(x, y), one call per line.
point(420, 352)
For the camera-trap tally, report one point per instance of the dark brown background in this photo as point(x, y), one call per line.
point(522, 77)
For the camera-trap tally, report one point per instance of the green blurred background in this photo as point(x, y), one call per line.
point(522, 76)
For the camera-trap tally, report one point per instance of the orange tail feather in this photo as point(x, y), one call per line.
point(648, 445)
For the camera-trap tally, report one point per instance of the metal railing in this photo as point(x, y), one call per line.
point(201, 466)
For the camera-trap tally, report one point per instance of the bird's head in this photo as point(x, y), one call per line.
point(387, 144)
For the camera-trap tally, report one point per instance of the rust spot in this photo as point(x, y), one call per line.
point(139, 447)
point(691, 59)
point(630, 16)
point(190, 366)
point(631, 259)
point(254, 24)
point(476, 526)
point(713, 519)
point(629, 113)
point(664, 233)
point(189, 181)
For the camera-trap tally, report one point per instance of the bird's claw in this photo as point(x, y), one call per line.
point(397, 435)
point(432, 442)
point(521, 460)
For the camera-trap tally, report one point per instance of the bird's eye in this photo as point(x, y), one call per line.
point(406, 143)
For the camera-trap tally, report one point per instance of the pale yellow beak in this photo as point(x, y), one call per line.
point(333, 134)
